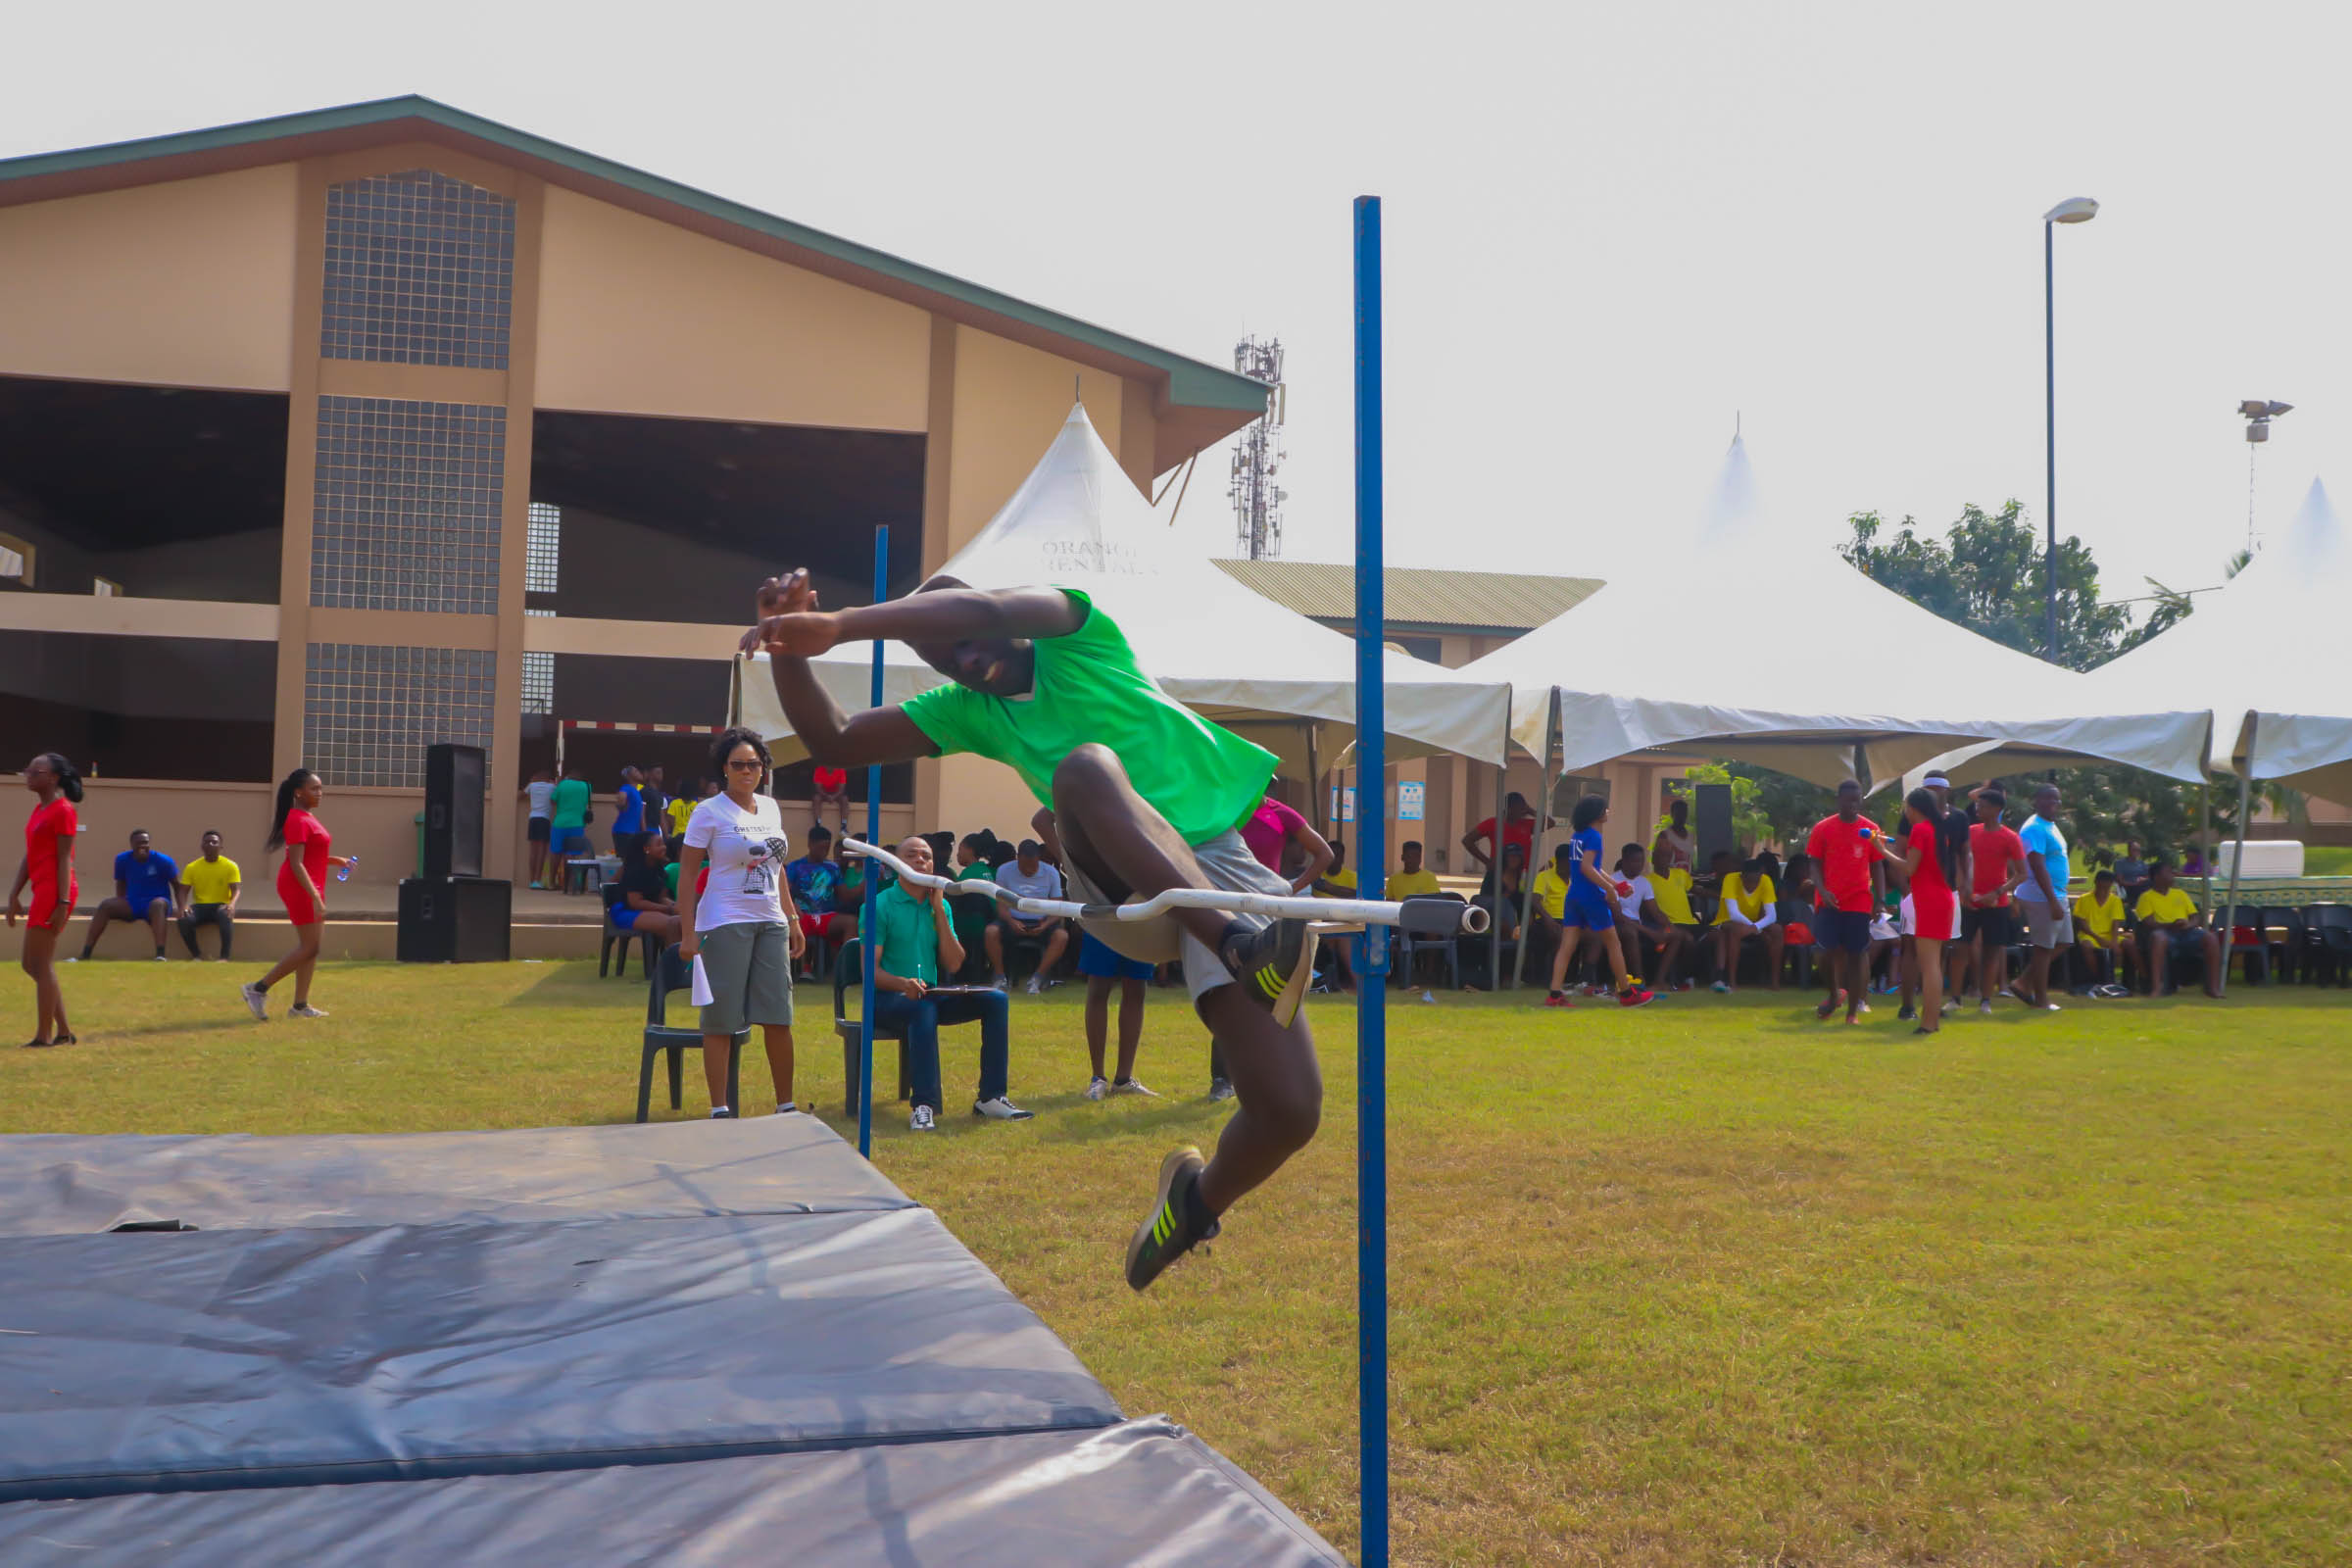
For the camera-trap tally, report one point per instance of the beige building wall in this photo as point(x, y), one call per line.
point(183, 284)
point(641, 316)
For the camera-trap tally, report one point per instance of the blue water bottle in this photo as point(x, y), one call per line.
point(343, 871)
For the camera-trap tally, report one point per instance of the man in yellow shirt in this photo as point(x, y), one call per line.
point(1551, 906)
point(2100, 938)
point(1671, 888)
point(1749, 909)
point(2169, 926)
point(1412, 882)
point(214, 888)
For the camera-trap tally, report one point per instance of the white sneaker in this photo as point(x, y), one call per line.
point(921, 1120)
point(257, 1000)
point(302, 1009)
point(1429, 996)
point(721, 1114)
point(1132, 1086)
point(1984, 1006)
point(1033, 988)
point(1000, 1108)
point(1220, 1089)
point(1097, 1088)
point(786, 1109)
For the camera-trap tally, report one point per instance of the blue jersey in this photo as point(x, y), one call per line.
point(145, 881)
point(1588, 852)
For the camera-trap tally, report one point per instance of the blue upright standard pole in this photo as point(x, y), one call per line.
point(1371, 871)
point(873, 835)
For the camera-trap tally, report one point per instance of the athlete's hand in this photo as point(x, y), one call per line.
point(790, 626)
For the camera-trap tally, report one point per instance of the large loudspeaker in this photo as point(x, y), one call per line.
point(1711, 821)
point(455, 920)
point(455, 779)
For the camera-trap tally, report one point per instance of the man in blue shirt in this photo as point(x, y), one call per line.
point(816, 881)
point(146, 888)
point(916, 939)
point(2041, 899)
point(629, 827)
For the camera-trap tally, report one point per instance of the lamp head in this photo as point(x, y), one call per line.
point(2073, 209)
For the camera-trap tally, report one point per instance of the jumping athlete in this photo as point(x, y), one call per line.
point(1146, 796)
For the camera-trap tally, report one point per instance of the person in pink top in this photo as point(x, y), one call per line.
point(1274, 827)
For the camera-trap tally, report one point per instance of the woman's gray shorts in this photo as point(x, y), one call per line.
point(750, 970)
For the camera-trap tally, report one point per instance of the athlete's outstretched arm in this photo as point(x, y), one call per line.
point(791, 623)
point(876, 735)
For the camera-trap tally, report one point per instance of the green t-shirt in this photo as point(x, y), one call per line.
point(975, 871)
point(570, 806)
point(669, 874)
point(1087, 687)
point(909, 946)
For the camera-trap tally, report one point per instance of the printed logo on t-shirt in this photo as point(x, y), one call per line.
point(762, 856)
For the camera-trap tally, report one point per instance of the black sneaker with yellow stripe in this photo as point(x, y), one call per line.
point(1273, 964)
point(1177, 1221)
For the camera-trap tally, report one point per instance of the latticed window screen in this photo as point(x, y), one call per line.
point(545, 550)
point(405, 505)
point(369, 712)
point(419, 271)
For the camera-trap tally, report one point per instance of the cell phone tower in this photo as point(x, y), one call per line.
point(1257, 456)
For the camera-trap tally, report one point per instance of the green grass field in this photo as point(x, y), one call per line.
point(2325, 859)
point(1703, 1284)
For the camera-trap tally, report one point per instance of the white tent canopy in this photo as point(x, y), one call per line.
point(2255, 654)
point(1743, 649)
point(1215, 646)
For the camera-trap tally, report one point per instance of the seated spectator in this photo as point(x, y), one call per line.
point(1028, 877)
point(1750, 913)
point(1502, 906)
point(1000, 853)
point(2130, 874)
point(2099, 944)
point(1652, 941)
point(146, 888)
point(648, 899)
point(831, 794)
point(1410, 880)
point(1338, 882)
point(815, 882)
point(943, 847)
point(1552, 945)
point(212, 886)
point(915, 943)
point(2191, 865)
point(1671, 891)
point(2170, 925)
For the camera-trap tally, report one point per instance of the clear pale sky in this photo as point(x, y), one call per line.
point(1612, 228)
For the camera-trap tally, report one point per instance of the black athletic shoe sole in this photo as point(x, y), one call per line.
point(1274, 965)
point(1164, 1237)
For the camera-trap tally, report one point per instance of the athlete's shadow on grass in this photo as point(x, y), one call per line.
point(194, 1026)
point(574, 984)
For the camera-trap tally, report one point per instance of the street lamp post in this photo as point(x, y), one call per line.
point(2073, 209)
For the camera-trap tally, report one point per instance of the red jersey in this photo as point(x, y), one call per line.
point(1993, 849)
point(307, 836)
point(1929, 881)
point(1521, 833)
point(47, 825)
point(831, 780)
point(1844, 852)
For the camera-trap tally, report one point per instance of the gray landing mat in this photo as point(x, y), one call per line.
point(151, 1363)
point(64, 1185)
point(1144, 1493)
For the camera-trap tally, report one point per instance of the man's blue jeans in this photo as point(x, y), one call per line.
point(920, 1019)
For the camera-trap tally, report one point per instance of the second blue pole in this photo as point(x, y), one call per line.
point(1371, 871)
point(865, 921)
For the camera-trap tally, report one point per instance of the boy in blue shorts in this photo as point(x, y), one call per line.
point(1105, 967)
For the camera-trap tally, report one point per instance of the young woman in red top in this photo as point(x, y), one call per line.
point(1927, 864)
point(302, 887)
point(48, 866)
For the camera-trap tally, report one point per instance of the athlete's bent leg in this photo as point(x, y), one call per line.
point(1277, 1094)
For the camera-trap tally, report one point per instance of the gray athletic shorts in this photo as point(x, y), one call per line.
point(748, 965)
point(2044, 928)
point(1227, 863)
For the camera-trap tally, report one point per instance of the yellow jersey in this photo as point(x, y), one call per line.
point(2098, 917)
point(2166, 908)
point(210, 881)
point(1752, 902)
point(1673, 894)
point(1552, 892)
point(1413, 884)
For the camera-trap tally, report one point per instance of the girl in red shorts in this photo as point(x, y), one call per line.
point(1927, 866)
point(48, 868)
point(302, 887)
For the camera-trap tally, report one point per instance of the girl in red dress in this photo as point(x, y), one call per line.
point(1927, 866)
point(302, 887)
point(48, 868)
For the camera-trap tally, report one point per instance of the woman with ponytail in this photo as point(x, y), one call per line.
point(301, 886)
point(48, 868)
point(1930, 866)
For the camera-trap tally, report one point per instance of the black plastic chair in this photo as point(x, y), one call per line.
point(671, 972)
point(1418, 946)
point(848, 974)
point(612, 933)
point(2287, 943)
point(2254, 948)
point(2328, 929)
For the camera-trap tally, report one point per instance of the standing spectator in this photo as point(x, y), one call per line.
point(302, 887)
point(569, 829)
point(914, 944)
point(146, 889)
point(741, 919)
point(1028, 877)
point(540, 829)
point(2099, 941)
point(1676, 845)
point(2042, 897)
point(1642, 925)
point(831, 787)
point(628, 823)
point(2130, 874)
point(212, 886)
point(815, 883)
point(656, 803)
point(680, 810)
point(1106, 967)
point(48, 871)
point(1279, 838)
point(1929, 863)
point(1845, 846)
point(1749, 910)
point(648, 896)
point(1411, 880)
point(2168, 926)
point(1519, 829)
point(1998, 857)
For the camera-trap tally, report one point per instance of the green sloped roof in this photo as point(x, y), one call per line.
point(1191, 382)
point(1416, 596)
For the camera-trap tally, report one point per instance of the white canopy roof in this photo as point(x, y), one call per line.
point(2258, 652)
point(1742, 648)
point(1079, 521)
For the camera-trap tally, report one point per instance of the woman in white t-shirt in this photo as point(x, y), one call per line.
point(736, 912)
point(542, 793)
